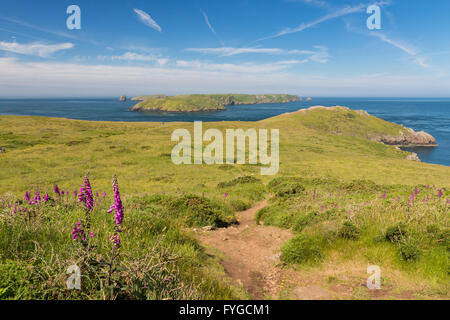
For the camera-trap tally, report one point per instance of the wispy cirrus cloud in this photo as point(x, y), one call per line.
point(248, 68)
point(208, 23)
point(147, 19)
point(319, 55)
point(133, 56)
point(37, 28)
point(35, 49)
point(337, 13)
point(408, 49)
point(317, 3)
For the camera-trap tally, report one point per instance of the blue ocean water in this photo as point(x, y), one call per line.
point(430, 115)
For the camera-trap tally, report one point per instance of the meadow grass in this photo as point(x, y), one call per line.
point(323, 150)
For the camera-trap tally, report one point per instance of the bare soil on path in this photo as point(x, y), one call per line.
point(250, 256)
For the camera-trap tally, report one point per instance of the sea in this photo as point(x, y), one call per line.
point(427, 114)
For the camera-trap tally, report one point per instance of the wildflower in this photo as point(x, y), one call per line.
point(75, 193)
point(117, 205)
point(78, 231)
point(314, 195)
point(115, 240)
point(56, 189)
point(45, 198)
point(37, 197)
point(104, 194)
point(85, 194)
point(225, 195)
point(398, 199)
point(416, 191)
point(27, 196)
point(440, 194)
point(384, 195)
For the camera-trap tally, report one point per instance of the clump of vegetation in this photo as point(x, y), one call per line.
point(286, 186)
point(288, 189)
point(409, 249)
point(303, 220)
point(396, 233)
point(238, 181)
point(301, 249)
point(349, 231)
point(195, 211)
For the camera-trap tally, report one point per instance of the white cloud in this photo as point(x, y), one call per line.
point(41, 79)
point(249, 68)
point(411, 51)
point(319, 55)
point(332, 15)
point(35, 49)
point(317, 3)
point(147, 20)
point(133, 56)
point(208, 23)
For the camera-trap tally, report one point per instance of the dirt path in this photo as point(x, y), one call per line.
point(251, 253)
point(251, 258)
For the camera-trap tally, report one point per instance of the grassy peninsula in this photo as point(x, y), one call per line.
point(340, 202)
point(205, 102)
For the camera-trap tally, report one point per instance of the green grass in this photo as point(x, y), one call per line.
point(203, 102)
point(327, 151)
point(347, 219)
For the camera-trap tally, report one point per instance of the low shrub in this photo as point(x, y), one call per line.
point(301, 249)
point(396, 233)
point(349, 231)
point(303, 220)
point(237, 181)
point(409, 249)
point(288, 189)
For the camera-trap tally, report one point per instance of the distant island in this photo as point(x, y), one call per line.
point(205, 102)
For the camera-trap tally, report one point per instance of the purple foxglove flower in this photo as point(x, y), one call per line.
point(45, 198)
point(225, 195)
point(384, 195)
point(27, 197)
point(86, 195)
point(440, 194)
point(56, 189)
point(117, 205)
point(37, 197)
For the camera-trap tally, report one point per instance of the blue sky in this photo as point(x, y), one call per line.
point(305, 47)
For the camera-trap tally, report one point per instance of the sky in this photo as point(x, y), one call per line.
point(314, 48)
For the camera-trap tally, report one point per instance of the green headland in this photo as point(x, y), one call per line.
point(205, 102)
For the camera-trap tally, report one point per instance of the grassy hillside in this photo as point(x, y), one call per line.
point(210, 102)
point(328, 152)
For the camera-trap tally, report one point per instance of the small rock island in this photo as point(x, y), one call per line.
point(205, 102)
point(123, 98)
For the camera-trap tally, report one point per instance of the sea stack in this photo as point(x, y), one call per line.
point(123, 98)
point(308, 99)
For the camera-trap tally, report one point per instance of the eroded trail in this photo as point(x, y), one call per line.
point(251, 258)
point(251, 253)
